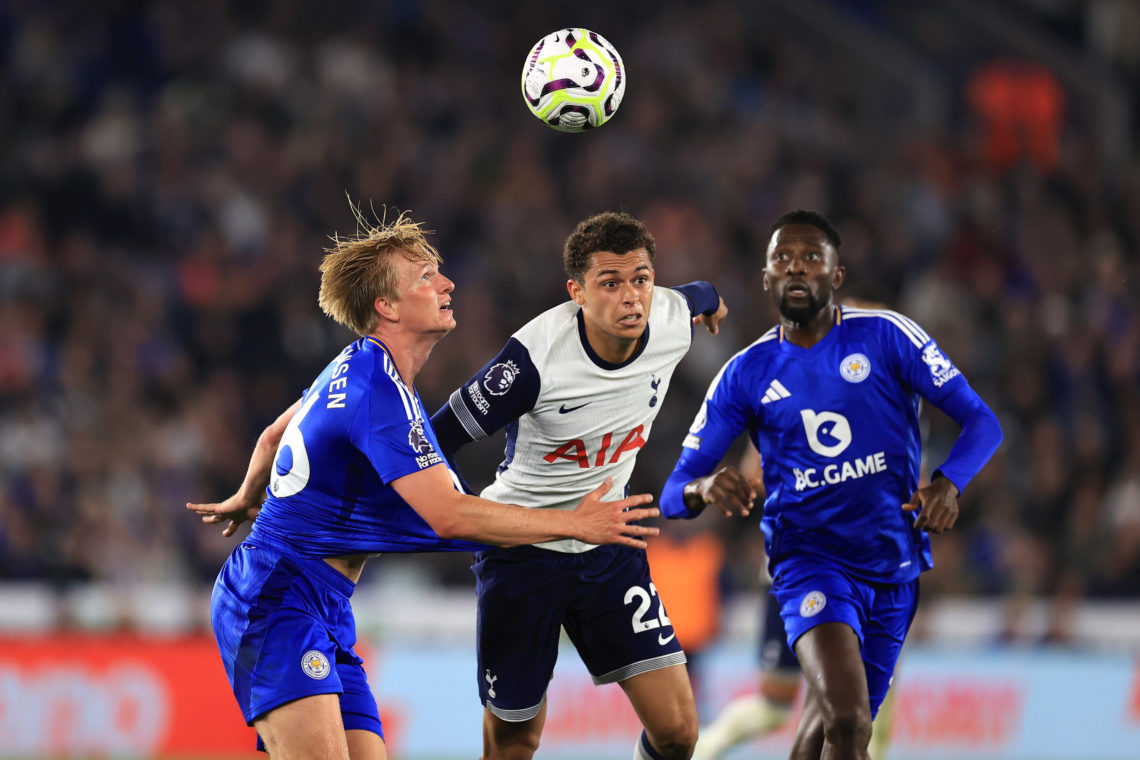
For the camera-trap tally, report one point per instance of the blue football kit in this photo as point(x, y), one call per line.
point(837, 428)
point(572, 419)
point(281, 614)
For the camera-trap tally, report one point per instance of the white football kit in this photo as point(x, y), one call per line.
point(572, 418)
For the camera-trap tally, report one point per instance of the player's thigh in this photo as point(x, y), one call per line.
point(617, 620)
point(306, 728)
point(521, 598)
point(830, 655)
point(663, 700)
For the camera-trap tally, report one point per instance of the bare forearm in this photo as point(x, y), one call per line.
point(488, 522)
point(456, 515)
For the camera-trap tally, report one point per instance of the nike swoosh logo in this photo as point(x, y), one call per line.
point(663, 640)
point(563, 410)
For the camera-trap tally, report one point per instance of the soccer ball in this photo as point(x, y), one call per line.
point(573, 80)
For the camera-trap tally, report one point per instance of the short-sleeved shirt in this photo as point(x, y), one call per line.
point(359, 428)
point(572, 418)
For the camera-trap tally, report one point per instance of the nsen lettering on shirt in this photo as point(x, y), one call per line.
point(338, 383)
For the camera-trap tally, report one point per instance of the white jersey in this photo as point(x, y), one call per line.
point(572, 418)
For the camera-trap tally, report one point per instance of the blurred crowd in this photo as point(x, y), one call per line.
point(173, 171)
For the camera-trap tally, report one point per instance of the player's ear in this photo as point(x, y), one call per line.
point(764, 280)
point(387, 310)
point(576, 291)
point(838, 277)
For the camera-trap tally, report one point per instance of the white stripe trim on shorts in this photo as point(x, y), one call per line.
point(644, 666)
point(516, 716)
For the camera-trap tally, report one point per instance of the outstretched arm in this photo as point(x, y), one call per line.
point(456, 515)
point(246, 503)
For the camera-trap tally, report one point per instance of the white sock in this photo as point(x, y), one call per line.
point(742, 719)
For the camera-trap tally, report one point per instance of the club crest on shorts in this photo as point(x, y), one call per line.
point(854, 368)
point(315, 664)
point(813, 604)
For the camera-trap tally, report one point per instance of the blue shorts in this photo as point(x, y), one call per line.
point(286, 631)
point(775, 654)
point(814, 591)
point(603, 597)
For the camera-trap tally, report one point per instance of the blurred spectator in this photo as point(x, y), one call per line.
point(171, 169)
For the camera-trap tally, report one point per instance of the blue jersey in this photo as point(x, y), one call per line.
point(359, 428)
point(837, 428)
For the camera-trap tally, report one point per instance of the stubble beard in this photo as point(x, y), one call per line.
point(801, 315)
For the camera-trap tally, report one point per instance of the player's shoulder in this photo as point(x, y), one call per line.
point(556, 323)
point(376, 375)
point(884, 321)
point(753, 357)
point(671, 296)
point(760, 349)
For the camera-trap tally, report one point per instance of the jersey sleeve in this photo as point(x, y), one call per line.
point(723, 415)
point(919, 362)
point(394, 440)
point(702, 297)
point(503, 390)
point(980, 437)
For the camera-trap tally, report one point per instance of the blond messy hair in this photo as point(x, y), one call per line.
point(358, 270)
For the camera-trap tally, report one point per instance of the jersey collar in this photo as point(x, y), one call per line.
point(388, 352)
point(827, 339)
point(599, 360)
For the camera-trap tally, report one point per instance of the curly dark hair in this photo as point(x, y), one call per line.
point(616, 232)
point(812, 219)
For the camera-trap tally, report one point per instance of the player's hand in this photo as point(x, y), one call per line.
point(712, 321)
point(937, 504)
point(233, 509)
point(611, 522)
point(729, 491)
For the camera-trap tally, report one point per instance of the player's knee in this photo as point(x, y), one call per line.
point(847, 726)
point(677, 739)
point(517, 743)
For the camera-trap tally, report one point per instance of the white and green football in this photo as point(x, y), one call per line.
point(573, 80)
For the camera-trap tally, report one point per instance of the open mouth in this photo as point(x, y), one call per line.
point(446, 307)
point(631, 319)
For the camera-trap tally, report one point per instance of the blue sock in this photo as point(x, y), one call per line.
point(645, 750)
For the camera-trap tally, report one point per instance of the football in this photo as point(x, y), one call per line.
point(573, 80)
